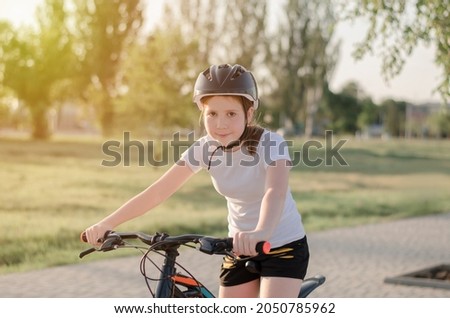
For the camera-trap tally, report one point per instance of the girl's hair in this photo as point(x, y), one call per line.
point(252, 132)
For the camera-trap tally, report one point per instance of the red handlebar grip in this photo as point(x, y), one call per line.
point(263, 247)
point(266, 247)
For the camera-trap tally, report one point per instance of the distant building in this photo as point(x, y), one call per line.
point(417, 119)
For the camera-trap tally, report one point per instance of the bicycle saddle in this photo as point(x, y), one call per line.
point(309, 284)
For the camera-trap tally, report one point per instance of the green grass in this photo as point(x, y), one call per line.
point(51, 191)
point(384, 180)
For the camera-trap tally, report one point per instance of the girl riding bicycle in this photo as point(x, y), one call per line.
point(249, 166)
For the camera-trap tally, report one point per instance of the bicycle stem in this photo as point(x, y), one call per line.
point(165, 287)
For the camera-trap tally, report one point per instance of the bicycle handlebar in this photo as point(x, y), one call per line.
point(208, 244)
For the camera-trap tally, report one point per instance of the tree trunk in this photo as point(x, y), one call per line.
point(312, 106)
point(40, 122)
point(107, 116)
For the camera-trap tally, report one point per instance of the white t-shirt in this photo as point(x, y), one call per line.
point(240, 178)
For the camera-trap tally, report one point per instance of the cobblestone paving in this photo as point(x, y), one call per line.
point(354, 260)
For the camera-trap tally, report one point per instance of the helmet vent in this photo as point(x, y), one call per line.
point(237, 73)
point(207, 74)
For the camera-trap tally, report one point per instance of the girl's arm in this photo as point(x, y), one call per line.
point(155, 194)
point(272, 205)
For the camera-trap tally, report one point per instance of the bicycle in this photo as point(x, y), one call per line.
point(174, 284)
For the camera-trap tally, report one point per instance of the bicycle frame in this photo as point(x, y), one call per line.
point(170, 281)
point(165, 288)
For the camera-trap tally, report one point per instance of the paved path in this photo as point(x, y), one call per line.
point(355, 261)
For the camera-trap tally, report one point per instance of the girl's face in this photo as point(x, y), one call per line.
point(224, 118)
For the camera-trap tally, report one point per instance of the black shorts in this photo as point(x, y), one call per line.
point(290, 260)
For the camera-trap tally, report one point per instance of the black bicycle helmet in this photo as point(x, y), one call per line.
point(226, 79)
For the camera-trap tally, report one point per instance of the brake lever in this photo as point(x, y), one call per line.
point(87, 252)
point(212, 246)
point(112, 242)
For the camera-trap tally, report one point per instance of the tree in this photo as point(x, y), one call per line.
point(224, 32)
point(394, 115)
point(244, 32)
point(439, 124)
point(370, 114)
point(342, 110)
point(212, 32)
point(5, 109)
point(159, 95)
point(198, 22)
point(300, 58)
point(322, 62)
point(105, 29)
point(401, 25)
point(34, 60)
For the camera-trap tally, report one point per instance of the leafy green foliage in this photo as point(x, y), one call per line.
point(300, 58)
point(342, 110)
point(93, 56)
point(33, 61)
point(105, 28)
point(159, 98)
point(401, 25)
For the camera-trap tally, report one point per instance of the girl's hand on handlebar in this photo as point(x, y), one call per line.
point(244, 243)
point(94, 234)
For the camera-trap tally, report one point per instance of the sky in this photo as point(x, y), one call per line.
point(416, 83)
